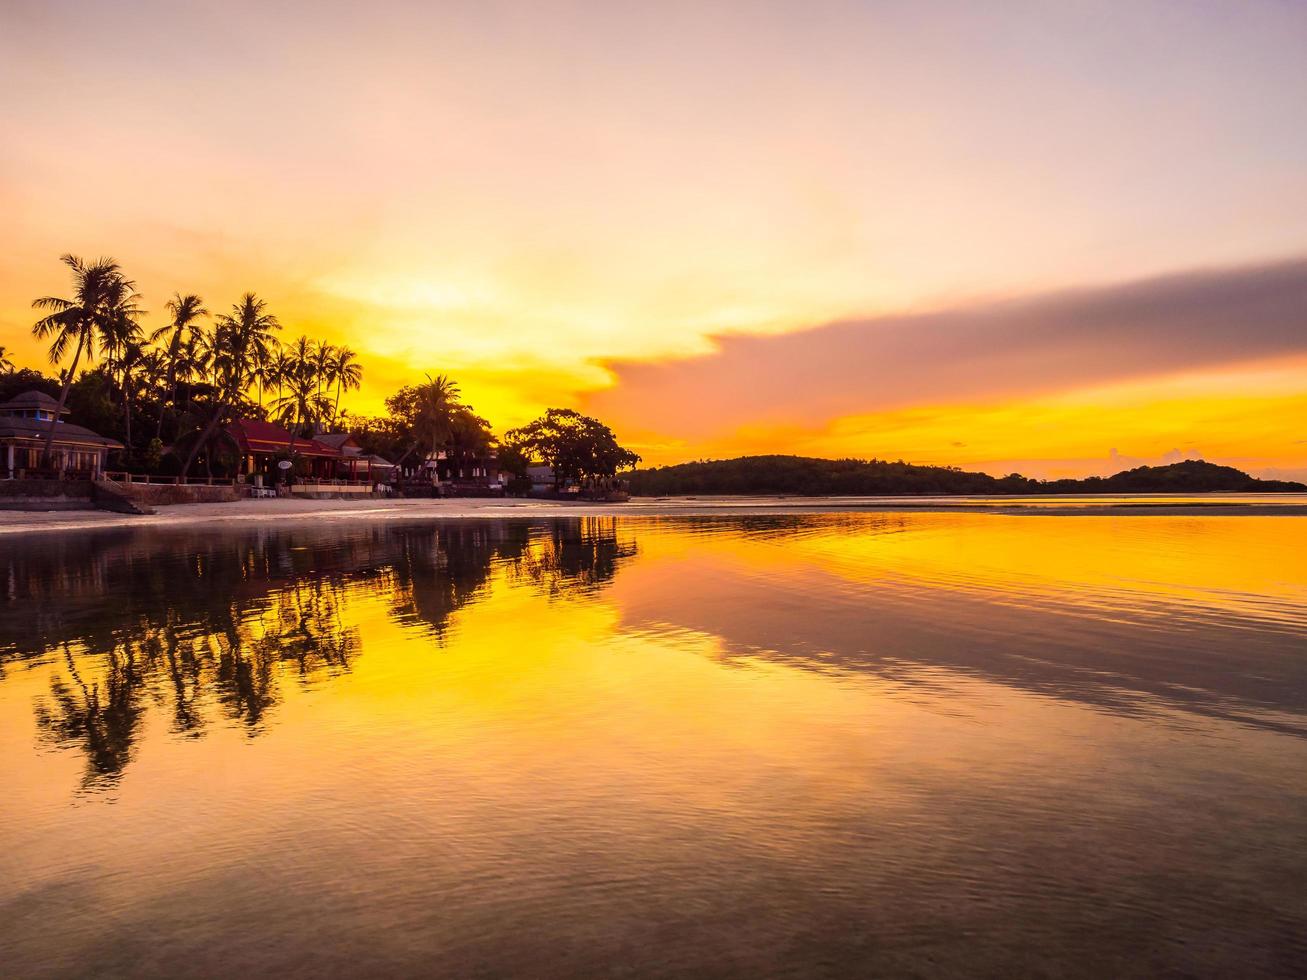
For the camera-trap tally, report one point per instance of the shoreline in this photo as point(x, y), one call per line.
point(255, 512)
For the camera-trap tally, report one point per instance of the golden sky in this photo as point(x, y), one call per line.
point(1056, 238)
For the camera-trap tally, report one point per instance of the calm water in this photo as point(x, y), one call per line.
point(820, 745)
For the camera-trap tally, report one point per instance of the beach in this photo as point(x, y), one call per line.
point(254, 512)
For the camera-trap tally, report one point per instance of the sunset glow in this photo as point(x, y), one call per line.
point(1055, 239)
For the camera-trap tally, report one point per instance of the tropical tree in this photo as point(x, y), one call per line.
point(575, 446)
point(320, 368)
point(345, 371)
point(131, 357)
point(300, 401)
point(186, 312)
point(102, 298)
point(241, 340)
point(470, 438)
point(6, 365)
point(424, 414)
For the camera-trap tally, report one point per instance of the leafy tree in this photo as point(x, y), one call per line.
point(576, 447)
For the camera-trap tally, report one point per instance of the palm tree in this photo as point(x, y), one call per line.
point(123, 346)
point(186, 312)
point(102, 297)
point(347, 373)
point(241, 340)
point(6, 365)
point(269, 362)
point(300, 382)
point(438, 401)
point(323, 355)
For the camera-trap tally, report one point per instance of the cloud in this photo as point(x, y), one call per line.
point(1022, 347)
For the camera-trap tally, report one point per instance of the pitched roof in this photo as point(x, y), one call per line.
point(28, 400)
point(65, 433)
point(336, 440)
point(256, 436)
point(379, 462)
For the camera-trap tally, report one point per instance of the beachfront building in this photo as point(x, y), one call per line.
point(262, 445)
point(24, 426)
point(354, 463)
point(454, 474)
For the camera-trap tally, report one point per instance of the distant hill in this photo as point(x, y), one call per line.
point(808, 476)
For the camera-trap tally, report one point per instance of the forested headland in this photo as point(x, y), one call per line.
point(808, 476)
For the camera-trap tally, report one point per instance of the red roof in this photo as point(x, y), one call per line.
point(254, 436)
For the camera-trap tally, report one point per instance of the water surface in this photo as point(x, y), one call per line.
point(778, 745)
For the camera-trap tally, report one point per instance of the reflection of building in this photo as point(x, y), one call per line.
point(24, 425)
point(263, 444)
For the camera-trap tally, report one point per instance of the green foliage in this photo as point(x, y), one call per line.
point(806, 476)
point(153, 455)
point(577, 447)
point(26, 379)
point(90, 404)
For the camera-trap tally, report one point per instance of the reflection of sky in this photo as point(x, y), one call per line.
point(549, 747)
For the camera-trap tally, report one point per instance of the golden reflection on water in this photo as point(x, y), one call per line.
point(844, 742)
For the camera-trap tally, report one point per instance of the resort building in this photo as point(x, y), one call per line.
point(24, 426)
point(263, 444)
point(355, 464)
point(459, 474)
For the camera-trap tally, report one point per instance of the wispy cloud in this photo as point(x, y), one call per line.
point(1031, 346)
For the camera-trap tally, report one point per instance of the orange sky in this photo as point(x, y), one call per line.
point(1051, 238)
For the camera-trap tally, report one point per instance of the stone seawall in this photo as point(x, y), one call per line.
point(45, 495)
point(153, 494)
point(108, 495)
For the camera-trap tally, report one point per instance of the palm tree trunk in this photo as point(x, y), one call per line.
point(172, 400)
point(63, 397)
point(204, 437)
point(127, 420)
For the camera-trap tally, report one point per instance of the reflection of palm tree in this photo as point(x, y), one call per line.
point(103, 723)
point(224, 626)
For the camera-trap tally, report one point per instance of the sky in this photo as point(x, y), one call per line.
point(1057, 239)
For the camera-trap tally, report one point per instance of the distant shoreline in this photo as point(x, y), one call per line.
point(258, 513)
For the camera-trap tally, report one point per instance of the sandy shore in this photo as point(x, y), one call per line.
point(281, 511)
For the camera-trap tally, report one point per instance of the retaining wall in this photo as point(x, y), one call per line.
point(151, 494)
point(45, 495)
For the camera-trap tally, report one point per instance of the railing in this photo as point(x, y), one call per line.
point(39, 473)
point(325, 481)
point(119, 476)
point(331, 486)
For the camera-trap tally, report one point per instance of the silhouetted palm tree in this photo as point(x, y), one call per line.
point(438, 399)
point(300, 402)
point(186, 312)
point(241, 339)
point(102, 299)
point(347, 374)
